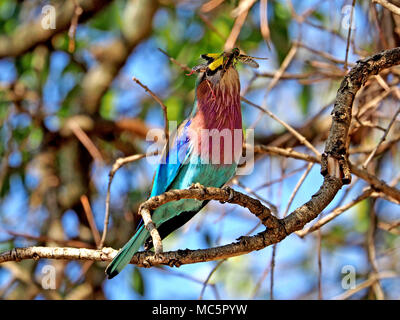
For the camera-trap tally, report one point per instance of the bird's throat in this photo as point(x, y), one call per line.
point(219, 113)
point(218, 106)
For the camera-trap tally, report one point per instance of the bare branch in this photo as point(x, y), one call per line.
point(383, 138)
point(335, 213)
point(116, 166)
point(159, 101)
point(390, 6)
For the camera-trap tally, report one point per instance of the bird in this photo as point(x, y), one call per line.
point(193, 157)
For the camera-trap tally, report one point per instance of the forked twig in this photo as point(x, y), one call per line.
point(116, 166)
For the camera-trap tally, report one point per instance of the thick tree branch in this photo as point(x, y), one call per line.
point(275, 232)
point(30, 35)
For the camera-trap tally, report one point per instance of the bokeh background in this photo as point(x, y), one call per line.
point(69, 109)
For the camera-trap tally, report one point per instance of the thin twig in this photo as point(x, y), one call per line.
point(116, 166)
point(211, 5)
point(241, 14)
point(297, 187)
point(323, 54)
point(264, 22)
point(335, 213)
point(85, 140)
point(211, 26)
point(159, 101)
point(371, 251)
point(382, 275)
point(90, 218)
point(293, 131)
point(71, 243)
point(260, 281)
point(286, 62)
point(74, 24)
point(180, 65)
point(349, 34)
point(319, 254)
point(273, 208)
point(390, 227)
point(383, 138)
point(272, 268)
point(271, 182)
point(205, 283)
point(361, 173)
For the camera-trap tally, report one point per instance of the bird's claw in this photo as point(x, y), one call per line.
point(148, 244)
point(174, 263)
point(147, 263)
point(197, 185)
point(230, 191)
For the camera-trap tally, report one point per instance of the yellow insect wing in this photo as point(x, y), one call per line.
point(214, 65)
point(213, 55)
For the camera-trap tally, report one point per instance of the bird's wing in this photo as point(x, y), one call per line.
point(172, 160)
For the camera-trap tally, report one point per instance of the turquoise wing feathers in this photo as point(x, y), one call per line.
point(164, 176)
point(172, 160)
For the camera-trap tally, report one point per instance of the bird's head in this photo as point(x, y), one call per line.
point(217, 65)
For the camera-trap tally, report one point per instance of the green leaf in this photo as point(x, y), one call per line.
point(334, 237)
point(107, 110)
point(35, 137)
point(70, 105)
point(107, 19)
point(174, 109)
point(61, 41)
point(137, 282)
point(318, 15)
point(10, 26)
point(362, 216)
point(20, 133)
point(7, 9)
point(6, 246)
point(5, 188)
point(305, 99)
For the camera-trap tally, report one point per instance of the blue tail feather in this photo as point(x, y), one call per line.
point(124, 256)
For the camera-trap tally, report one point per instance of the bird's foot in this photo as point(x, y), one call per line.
point(148, 244)
point(196, 185)
point(200, 187)
point(147, 262)
point(174, 263)
point(151, 259)
point(230, 191)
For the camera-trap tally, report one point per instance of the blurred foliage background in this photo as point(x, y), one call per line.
point(69, 109)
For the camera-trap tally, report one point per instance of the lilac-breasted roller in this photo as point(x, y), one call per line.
point(195, 155)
